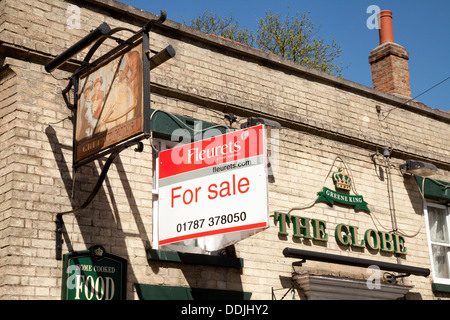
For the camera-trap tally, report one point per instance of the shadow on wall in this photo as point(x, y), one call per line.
point(185, 281)
point(414, 194)
point(100, 222)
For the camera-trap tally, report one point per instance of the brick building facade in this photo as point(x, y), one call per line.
point(326, 123)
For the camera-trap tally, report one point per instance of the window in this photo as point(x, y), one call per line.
point(437, 218)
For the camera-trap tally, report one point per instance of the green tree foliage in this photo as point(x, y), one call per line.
point(226, 27)
point(291, 37)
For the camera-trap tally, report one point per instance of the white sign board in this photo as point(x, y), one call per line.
point(213, 186)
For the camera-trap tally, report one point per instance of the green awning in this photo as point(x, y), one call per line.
point(164, 124)
point(157, 292)
point(434, 189)
point(193, 258)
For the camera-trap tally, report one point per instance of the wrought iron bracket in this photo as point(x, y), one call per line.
point(59, 240)
point(59, 221)
point(291, 289)
point(298, 263)
point(393, 278)
point(95, 39)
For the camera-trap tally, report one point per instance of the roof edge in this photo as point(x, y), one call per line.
point(280, 62)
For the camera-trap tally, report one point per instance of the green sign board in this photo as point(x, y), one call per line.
point(344, 182)
point(94, 275)
point(330, 196)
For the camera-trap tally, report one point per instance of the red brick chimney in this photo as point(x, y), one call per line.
point(389, 61)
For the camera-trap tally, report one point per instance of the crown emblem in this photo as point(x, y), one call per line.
point(98, 252)
point(342, 180)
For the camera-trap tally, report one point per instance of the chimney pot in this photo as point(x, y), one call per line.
point(385, 22)
point(389, 61)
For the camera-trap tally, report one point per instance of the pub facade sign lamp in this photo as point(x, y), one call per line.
point(254, 121)
point(161, 56)
point(420, 168)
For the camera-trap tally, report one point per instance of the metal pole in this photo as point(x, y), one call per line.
point(93, 36)
point(356, 262)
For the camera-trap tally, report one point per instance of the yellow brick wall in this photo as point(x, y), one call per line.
point(323, 117)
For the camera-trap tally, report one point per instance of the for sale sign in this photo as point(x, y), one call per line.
point(213, 186)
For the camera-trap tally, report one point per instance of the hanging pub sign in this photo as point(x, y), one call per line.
point(213, 187)
point(94, 274)
point(111, 104)
point(111, 100)
point(342, 181)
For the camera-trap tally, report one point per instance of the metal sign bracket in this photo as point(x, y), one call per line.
point(95, 38)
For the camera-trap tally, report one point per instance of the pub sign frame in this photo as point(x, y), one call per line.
point(112, 101)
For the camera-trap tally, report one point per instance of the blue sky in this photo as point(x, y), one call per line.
point(422, 27)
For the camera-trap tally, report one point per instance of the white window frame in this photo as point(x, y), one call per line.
point(431, 243)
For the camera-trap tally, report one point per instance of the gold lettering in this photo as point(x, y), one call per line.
point(386, 242)
point(301, 227)
point(354, 233)
point(319, 228)
point(341, 234)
